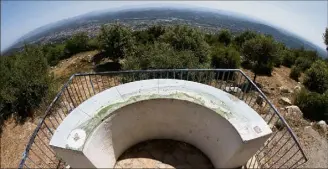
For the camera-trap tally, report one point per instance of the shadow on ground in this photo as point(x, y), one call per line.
point(108, 66)
point(163, 154)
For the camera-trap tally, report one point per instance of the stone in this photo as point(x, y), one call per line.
point(233, 89)
point(285, 101)
point(307, 128)
point(297, 88)
point(322, 125)
point(284, 89)
point(266, 91)
point(322, 122)
point(294, 110)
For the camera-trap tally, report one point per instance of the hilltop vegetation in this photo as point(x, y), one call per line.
point(25, 81)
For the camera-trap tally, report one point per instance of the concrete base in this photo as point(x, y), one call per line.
point(99, 130)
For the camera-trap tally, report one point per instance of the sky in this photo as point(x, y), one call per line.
point(307, 19)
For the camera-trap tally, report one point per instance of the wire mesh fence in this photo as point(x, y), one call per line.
point(281, 150)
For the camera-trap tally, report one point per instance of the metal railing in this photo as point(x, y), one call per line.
point(281, 150)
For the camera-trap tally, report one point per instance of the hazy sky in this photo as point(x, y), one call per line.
point(307, 19)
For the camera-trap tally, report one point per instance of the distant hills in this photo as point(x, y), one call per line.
point(208, 20)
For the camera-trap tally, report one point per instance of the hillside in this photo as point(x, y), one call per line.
point(314, 142)
point(141, 18)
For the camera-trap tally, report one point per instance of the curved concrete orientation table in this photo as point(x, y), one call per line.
point(100, 129)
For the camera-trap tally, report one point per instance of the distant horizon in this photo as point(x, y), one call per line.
point(6, 45)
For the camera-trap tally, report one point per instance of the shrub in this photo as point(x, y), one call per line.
point(116, 41)
point(280, 50)
point(77, 43)
point(24, 82)
point(261, 52)
point(54, 53)
point(295, 73)
point(288, 58)
point(243, 37)
point(187, 38)
point(93, 44)
point(161, 56)
point(142, 36)
point(225, 37)
point(316, 77)
point(303, 63)
point(225, 57)
point(313, 105)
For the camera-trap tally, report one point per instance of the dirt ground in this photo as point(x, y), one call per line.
point(313, 141)
point(315, 144)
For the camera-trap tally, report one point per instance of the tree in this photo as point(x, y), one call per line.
point(116, 41)
point(243, 37)
point(54, 53)
point(24, 82)
point(77, 43)
point(260, 52)
point(325, 37)
point(182, 37)
point(288, 58)
point(316, 77)
point(161, 56)
point(225, 37)
point(225, 57)
point(155, 32)
point(295, 73)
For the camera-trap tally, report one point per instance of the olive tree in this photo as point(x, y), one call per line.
point(260, 52)
point(116, 41)
point(186, 38)
point(225, 37)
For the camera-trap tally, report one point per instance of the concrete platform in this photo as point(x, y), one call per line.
point(98, 131)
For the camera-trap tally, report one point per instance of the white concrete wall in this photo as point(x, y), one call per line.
point(106, 125)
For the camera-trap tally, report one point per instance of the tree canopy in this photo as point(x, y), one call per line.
point(260, 52)
point(116, 41)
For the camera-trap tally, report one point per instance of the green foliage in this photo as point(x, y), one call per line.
point(149, 35)
point(142, 36)
point(243, 37)
point(303, 63)
point(116, 41)
point(295, 73)
point(288, 58)
point(24, 82)
point(260, 52)
point(316, 77)
point(77, 43)
point(155, 32)
point(225, 37)
point(281, 50)
point(187, 38)
point(161, 56)
point(54, 53)
point(93, 44)
point(313, 105)
point(225, 57)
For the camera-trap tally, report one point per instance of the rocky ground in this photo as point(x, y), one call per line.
point(279, 88)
